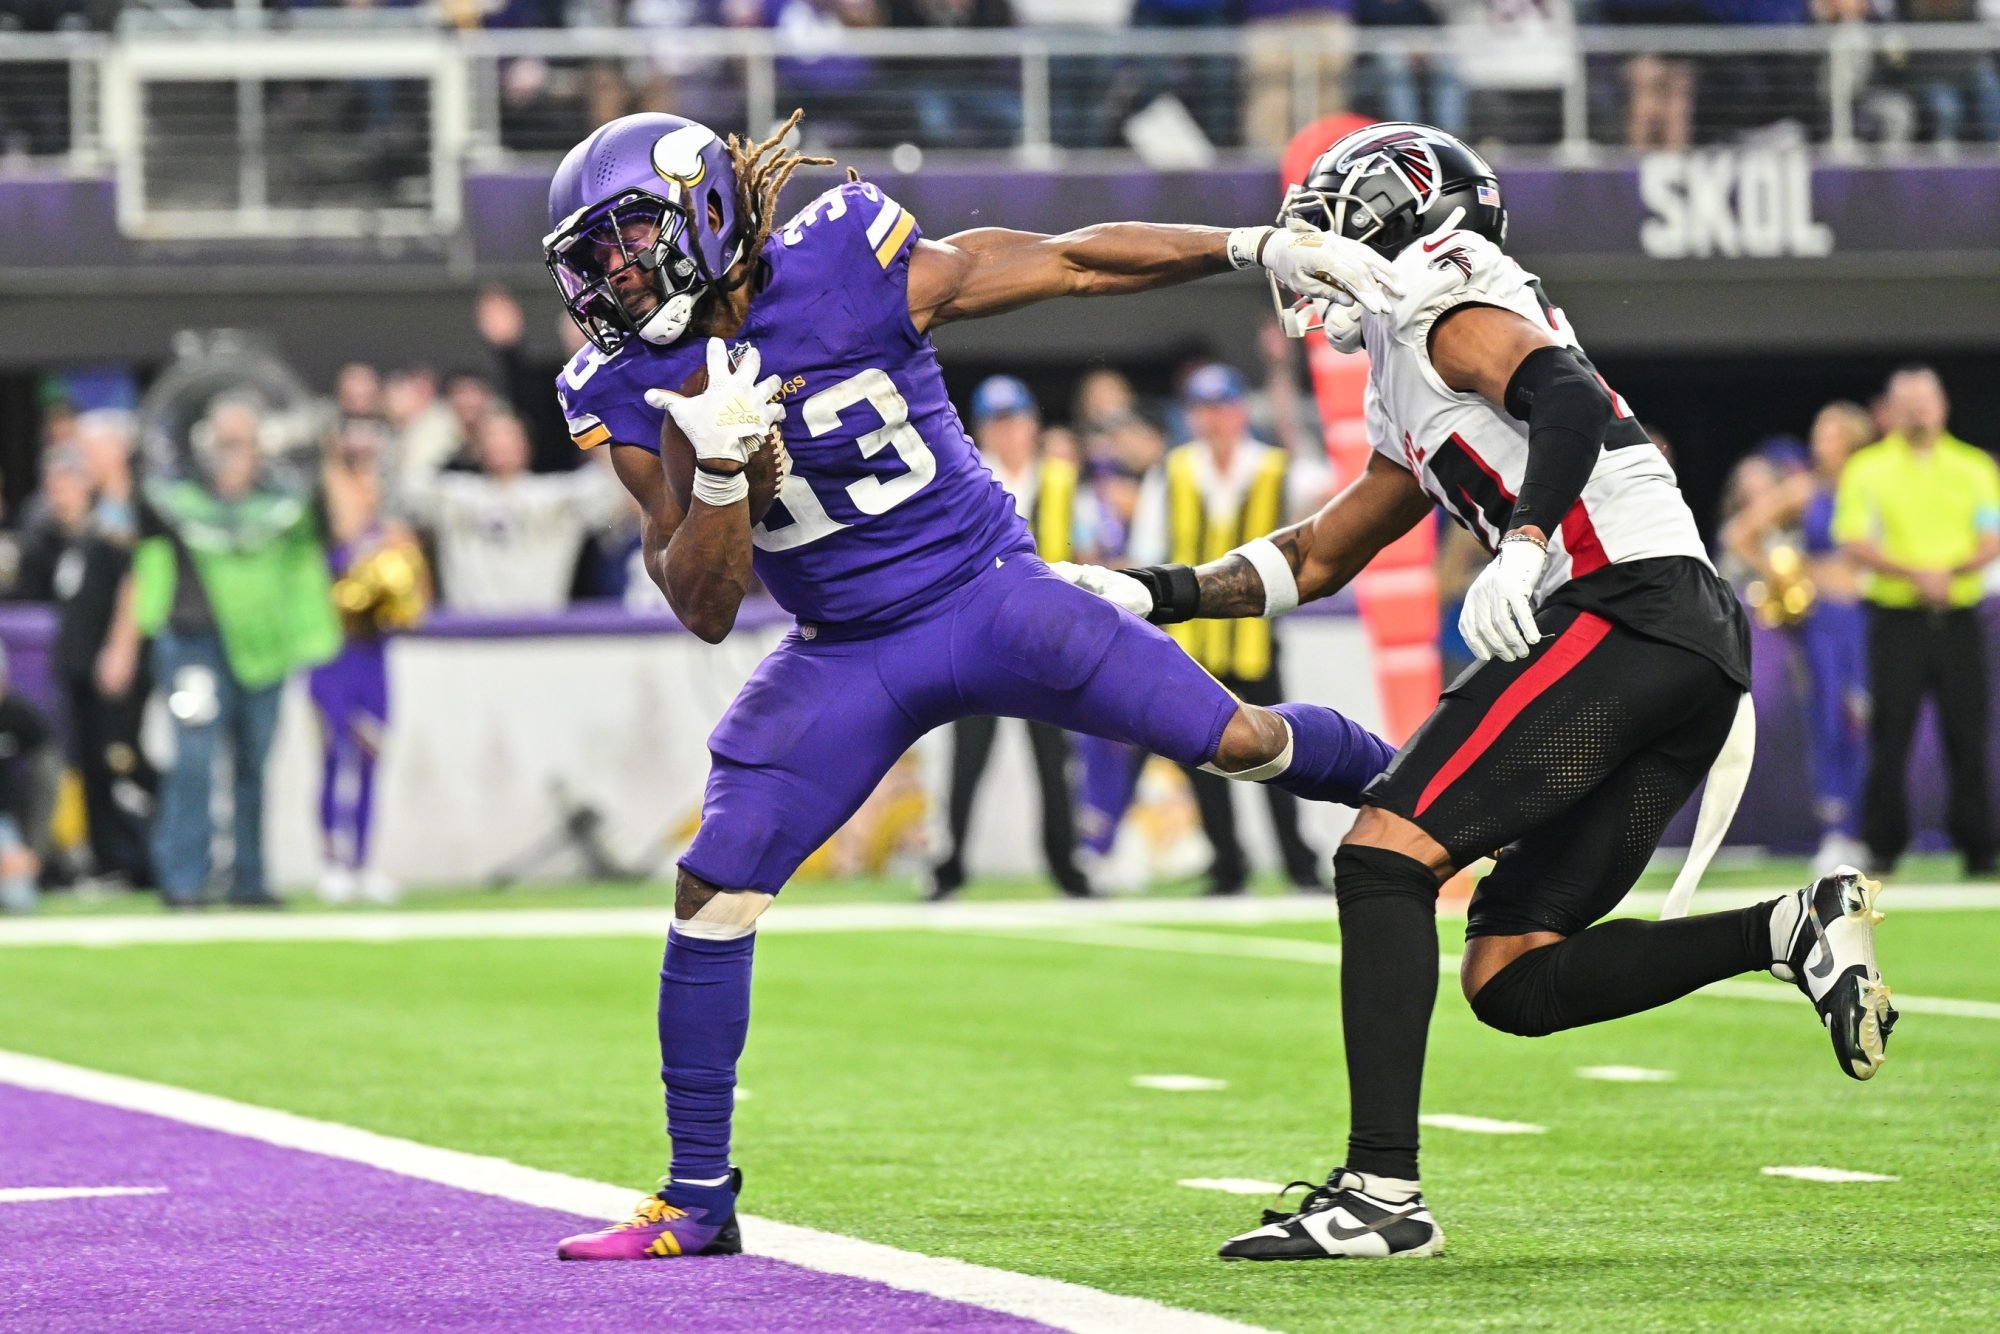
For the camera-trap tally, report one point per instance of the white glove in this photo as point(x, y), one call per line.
point(1498, 620)
point(727, 421)
point(1327, 267)
point(1340, 321)
point(1120, 589)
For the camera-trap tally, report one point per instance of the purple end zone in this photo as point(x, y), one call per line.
point(250, 1236)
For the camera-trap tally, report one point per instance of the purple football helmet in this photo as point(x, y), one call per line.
point(630, 244)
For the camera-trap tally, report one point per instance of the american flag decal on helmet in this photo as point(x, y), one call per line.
point(1488, 196)
point(1407, 153)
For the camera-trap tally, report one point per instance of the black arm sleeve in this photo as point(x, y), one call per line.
point(1567, 410)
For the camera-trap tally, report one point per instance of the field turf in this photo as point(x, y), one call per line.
point(970, 1094)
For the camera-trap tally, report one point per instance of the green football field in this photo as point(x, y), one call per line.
point(970, 1093)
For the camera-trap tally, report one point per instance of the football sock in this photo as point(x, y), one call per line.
point(1388, 987)
point(1622, 967)
point(1333, 757)
point(704, 1018)
point(1389, 1190)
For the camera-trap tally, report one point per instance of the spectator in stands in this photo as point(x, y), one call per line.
point(30, 769)
point(1221, 488)
point(1516, 57)
point(105, 438)
point(525, 380)
point(1919, 511)
point(1959, 91)
point(357, 391)
point(1201, 83)
point(1103, 396)
point(1281, 34)
point(507, 539)
point(230, 581)
point(1658, 86)
point(382, 586)
point(839, 90)
point(423, 433)
point(71, 559)
point(1005, 425)
point(470, 398)
point(1408, 85)
point(1810, 587)
point(1743, 94)
point(963, 103)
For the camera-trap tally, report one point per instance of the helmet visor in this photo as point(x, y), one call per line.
point(620, 261)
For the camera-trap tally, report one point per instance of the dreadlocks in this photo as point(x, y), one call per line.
point(762, 169)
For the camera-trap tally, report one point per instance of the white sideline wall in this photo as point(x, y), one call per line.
point(481, 728)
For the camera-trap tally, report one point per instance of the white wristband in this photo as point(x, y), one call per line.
point(1244, 243)
point(1281, 586)
point(710, 489)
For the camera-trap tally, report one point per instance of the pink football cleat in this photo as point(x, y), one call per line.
point(659, 1229)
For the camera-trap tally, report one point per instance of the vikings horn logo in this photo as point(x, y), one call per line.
point(1406, 153)
point(677, 156)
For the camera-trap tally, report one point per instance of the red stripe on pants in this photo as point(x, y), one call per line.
point(1585, 633)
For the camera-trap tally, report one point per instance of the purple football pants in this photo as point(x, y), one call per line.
point(823, 718)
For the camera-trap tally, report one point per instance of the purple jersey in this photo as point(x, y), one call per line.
point(888, 506)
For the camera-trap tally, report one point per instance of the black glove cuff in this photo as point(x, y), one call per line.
point(1176, 592)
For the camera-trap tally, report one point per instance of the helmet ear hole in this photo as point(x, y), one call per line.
point(715, 210)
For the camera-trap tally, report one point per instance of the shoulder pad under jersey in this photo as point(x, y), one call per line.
point(1452, 269)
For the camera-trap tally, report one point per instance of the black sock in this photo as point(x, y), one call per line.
point(1622, 967)
point(1388, 987)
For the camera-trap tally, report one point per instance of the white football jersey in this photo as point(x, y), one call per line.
point(1470, 456)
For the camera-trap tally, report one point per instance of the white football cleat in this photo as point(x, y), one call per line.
point(1823, 938)
point(1341, 1221)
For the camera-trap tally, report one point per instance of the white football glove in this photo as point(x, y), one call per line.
point(1340, 321)
point(727, 421)
point(1121, 589)
point(1498, 619)
point(1327, 267)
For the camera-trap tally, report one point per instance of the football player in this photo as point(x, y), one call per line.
point(1614, 663)
point(918, 594)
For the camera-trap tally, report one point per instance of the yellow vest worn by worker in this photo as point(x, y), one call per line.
point(1236, 648)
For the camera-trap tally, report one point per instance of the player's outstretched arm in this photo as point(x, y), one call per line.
point(1268, 577)
point(991, 269)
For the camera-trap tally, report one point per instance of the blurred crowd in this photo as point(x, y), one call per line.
point(1496, 71)
point(1871, 544)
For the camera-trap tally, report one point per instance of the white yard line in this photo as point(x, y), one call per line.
point(1624, 1074)
point(1066, 1306)
point(115, 929)
point(1179, 1083)
point(37, 1194)
point(1836, 1175)
point(1232, 1185)
point(1480, 1125)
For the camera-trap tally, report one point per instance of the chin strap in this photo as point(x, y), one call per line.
point(670, 321)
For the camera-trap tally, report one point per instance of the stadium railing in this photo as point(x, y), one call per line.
point(270, 130)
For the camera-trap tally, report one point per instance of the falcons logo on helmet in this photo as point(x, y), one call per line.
point(1406, 153)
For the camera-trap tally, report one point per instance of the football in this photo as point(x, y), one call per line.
point(766, 470)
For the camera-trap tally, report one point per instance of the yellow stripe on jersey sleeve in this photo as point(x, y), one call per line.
point(893, 242)
point(591, 438)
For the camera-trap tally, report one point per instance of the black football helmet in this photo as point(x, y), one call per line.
point(1393, 182)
